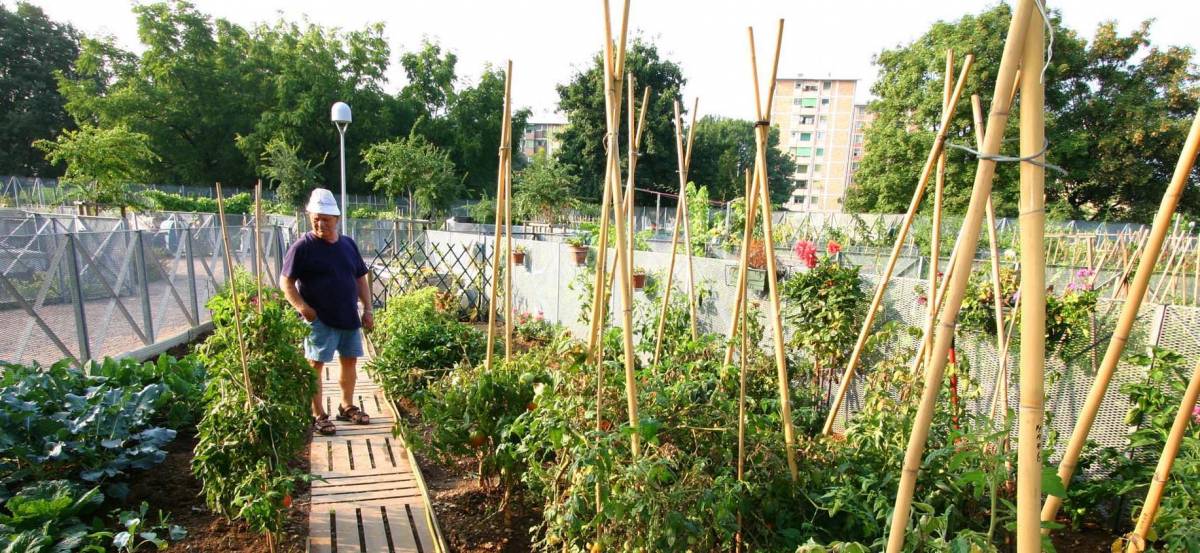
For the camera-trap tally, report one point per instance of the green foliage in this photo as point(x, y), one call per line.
point(419, 342)
point(1068, 315)
point(724, 150)
point(47, 516)
point(101, 163)
point(483, 211)
point(700, 224)
point(545, 190)
point(33, 51)
point(240, 203)
point(1117, 108)
point(581, 100)
point(415, 168)
point(293, 177)
point(247, 441)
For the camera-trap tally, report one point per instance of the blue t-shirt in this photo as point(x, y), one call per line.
point(327, 277)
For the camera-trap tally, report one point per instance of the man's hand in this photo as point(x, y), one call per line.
point(368, 321)
point(308, 313)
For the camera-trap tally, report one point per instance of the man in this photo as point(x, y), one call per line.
point(324, 278)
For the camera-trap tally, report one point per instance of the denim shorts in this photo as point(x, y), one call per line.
point(324, 340)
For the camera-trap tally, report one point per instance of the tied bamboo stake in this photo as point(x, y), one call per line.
point(1137, 290)
point(993, 246)
point(231, 282)
point(764, 199)
point(739, 299)
point(1033, 278)
point(741, 455)
point(258, 261)
point(1137, 539)
point(612, 91)
point(505, 131)
point(509, 312)
point(939, 185)
point(683, 157)
point(956, 288)
point(635, 142)
point(934, 150)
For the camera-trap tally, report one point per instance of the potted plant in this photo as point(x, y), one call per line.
point(756, 276)
point(639, 278)
point(578, 247)
point(518, 255)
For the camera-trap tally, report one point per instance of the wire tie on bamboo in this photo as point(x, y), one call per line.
point(1001, 158)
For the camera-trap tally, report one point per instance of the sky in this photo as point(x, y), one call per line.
point(550, 40)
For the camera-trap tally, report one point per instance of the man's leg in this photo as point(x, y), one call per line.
point(347, 378)
point(318, 402)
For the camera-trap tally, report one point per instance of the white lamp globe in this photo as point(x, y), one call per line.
point(340, 113)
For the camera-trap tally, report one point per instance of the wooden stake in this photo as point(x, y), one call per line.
point(258, 260)
point(231, 283)
point(739, 298)
point(1033, 278)
point(934, 151)
point(1137, 289)
point(956, 288)
point(935, 231)
point(505, 131)
point(993, 246)
point(761, 129)
point(683, 157)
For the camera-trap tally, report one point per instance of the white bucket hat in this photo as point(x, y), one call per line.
point(322, 203)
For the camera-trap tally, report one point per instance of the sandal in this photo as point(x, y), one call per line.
point(323, 426)
point(353, 414)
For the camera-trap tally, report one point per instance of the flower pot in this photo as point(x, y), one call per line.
point(519, 258)
point(639, 281)
point(580, 254)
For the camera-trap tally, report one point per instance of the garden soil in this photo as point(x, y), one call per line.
point(172, 488)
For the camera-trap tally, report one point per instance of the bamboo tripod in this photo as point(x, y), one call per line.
point(503, 228)
point(956, 287)
point(1116, 345)
point(684, 159)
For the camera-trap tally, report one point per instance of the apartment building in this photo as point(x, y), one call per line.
point(542, 136)
point(821, 127)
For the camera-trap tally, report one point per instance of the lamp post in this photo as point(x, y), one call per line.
point(340, 115)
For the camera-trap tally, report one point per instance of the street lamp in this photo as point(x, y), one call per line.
point(340, 115)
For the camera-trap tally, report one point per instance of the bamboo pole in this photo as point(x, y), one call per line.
point(956, 288)
point(505, 131)
point(761, 128)
point(741, 455)
point(509, 311)
point(1122, 282)
point(739, 299)
point(635, 141)
point(258, 260)
point(683, 156)
point(1137, 539)
point(1137, 289)
point(1033, 277)
point(934, 151)
point(993, 246)
point(612, 102)
point(939, 185)
point(231, 282)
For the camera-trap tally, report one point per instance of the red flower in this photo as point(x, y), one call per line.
point(807, 252)
point(833, 247)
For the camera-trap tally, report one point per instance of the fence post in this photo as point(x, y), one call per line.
point(144, 286)
point(191, 274)
point(279, 238)
point(85, 350)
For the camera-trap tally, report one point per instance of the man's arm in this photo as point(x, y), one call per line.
point(364, 296)
point(288, 285)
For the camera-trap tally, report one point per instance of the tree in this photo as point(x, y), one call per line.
point(101, 163)
point(431, 77)
point(724, 149)
point(583, 143)
point(545, 189)
point(294, 178)
point(473, 131)
point(1116, 114)
point(415, 168)
point(32, 49)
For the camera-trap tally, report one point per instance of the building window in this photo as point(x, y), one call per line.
point(857, 152)
point(801, 184)
point(820, 152)
point(812, 199)
point(805, 137)
point(809, 87)
point(802, 169)
point(796, 101)
point(808, 102)
point(858, 139)
point(854, 166)
point(818, 168)
point(822, 122)
point(803, 151)
point(806, 120)
point(827, 85)
point(824, 101)
point(820, 136)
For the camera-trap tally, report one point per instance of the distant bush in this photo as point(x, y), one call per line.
point(165, 201)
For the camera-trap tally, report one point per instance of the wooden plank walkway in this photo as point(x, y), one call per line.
point(370, 496)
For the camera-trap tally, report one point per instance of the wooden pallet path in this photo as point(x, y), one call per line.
point(369, 497)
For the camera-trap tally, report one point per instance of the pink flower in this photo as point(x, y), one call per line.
point(1084, 273)
point(922, 300)
point(833, 247)
point(807, 252)
point(1196, 414)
